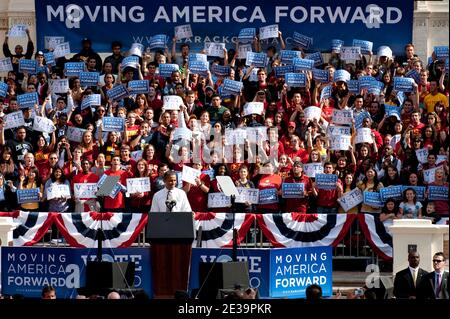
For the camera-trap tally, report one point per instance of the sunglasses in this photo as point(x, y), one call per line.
point(437, 261)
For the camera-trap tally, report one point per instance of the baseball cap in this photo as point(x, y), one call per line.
point(39, 53)
point(292, 124)
point(85, 40)
point(209, 88)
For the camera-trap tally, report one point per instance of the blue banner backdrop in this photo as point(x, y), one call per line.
point(383, 22)
point(281, 272)
point(26, 270)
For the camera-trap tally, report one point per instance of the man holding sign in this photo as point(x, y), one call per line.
point(18, 53)
point(299, 204)
point(85, 183)
point(327, 198)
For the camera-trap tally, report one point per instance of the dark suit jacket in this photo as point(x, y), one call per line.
point(427, 287)
point(404, 283)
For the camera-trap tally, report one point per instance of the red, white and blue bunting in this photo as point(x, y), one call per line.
point(282, 230)
point(120, 229)
point(377, 235)
point(304, 230)
point(217, 228)
point(31, 226)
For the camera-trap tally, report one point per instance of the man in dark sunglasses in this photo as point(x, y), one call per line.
point(434, 285)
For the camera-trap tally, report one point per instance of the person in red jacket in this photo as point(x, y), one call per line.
point(298, 204)
point(269, 180)
point(118, 203)
point(327, 198)
point(85, 176)
point(198, 194)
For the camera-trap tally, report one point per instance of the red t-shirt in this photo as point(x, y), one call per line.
point(84, 178)
point(119, 201)
point(298, 204)
point(198, 198)
point(266, 182)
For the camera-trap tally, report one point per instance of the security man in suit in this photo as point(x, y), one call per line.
point(434, 285)
point(407, 280)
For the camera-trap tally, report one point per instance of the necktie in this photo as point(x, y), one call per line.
point(414, 277)
point(438, 284)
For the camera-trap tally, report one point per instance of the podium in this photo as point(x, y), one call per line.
point(170, 236)
point(416, 234)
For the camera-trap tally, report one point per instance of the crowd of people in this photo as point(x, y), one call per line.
point(153, 140)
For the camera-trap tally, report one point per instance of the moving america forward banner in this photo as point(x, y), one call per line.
point(383, 22)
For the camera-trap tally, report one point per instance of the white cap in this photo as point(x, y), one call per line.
point(385, 51)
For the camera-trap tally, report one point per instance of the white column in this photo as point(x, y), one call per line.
point(419, 233)
point(6, 227)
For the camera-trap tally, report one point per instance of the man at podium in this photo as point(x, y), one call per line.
point(170, 199)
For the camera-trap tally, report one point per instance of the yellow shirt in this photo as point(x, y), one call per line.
point(369, 188)
point(29, 206)
point(431, 100)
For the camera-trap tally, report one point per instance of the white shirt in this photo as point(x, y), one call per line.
point(178, 195)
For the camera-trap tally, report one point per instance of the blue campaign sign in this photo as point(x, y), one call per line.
point(302, 40)
point(383, 22)
point(293, 190)
point(392, 110)
point(395, 192)
point(294, 269)
point(341, 75)
point(91, 100)
point(49, 58)
point(403, 84)
point(302, 64)
point(27, 100)
point(316, 56)
point(366, 81)
point(197, 57)
point(258, 265)
point(3, 89)
point(198, 67)
point(375, 88)
point(232, 86)
point(158, 41)
point(366, 46)
point(414, 75)
point(372, 199)
point(441, 52)
point(322, 76)
point(138, 87)
point(326, 181)
point(246, 35)
point(360, 118)
point(25, 270)
point(259, 60)
point(438, 193)
point(74, 68)
point(89, 78)
point(326, 92)
point(30, 195)
point(295, 79)
point(280, 71)
point(26, 65)
point(268, 196)
point(336, 45)
point(117, 92)
point(221, 70)
point(165, 70)
point(131, 61)
point(353, 86)
point(287, 56)
point(113, 124)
